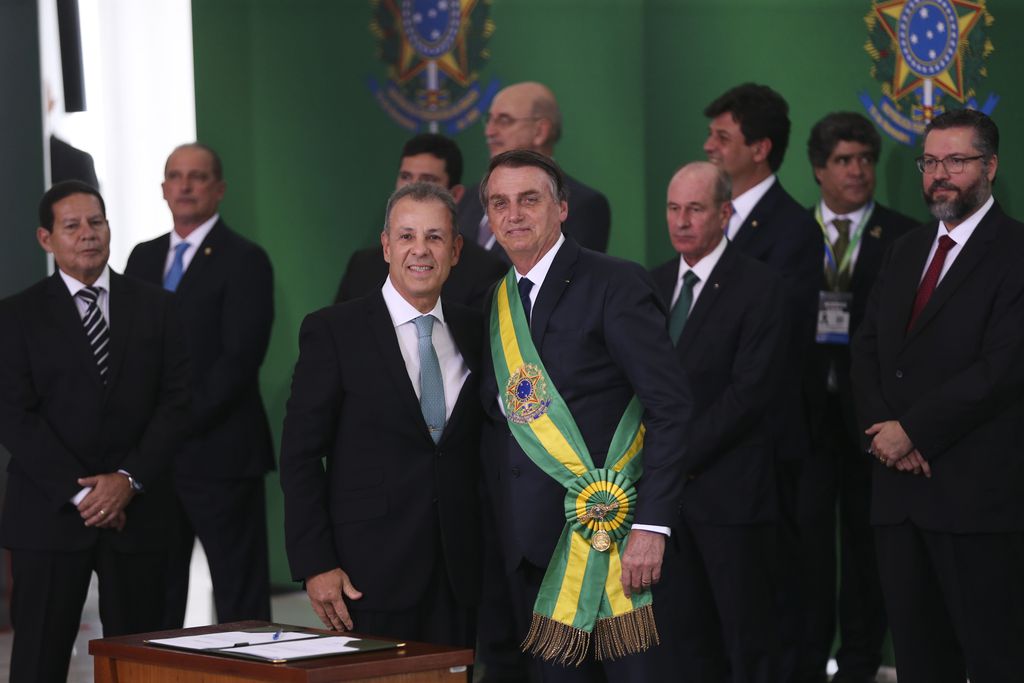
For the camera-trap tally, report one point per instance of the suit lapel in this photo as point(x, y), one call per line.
point(122, 312)
point(69, 323)
point(463, 333)
point(870, 254)
point(555, 283)
point(749, 229)
point(205, 252)
point(968, 258)
point(708, 296)
point(391, 355)
point(665, 278)
point(153, 260)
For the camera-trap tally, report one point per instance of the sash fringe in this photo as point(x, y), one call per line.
point(554, 641)
point(626, 634)
point(614, 637)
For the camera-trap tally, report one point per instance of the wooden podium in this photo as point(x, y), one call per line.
point(128, 659)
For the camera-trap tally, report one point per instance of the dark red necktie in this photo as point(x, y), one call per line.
point(931, 278)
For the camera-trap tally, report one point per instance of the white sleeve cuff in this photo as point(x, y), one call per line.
point(80, 496)
point(664, 530)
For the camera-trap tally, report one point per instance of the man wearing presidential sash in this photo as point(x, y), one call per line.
point(583, 453)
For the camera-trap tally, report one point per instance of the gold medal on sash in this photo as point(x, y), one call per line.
point(601, 541)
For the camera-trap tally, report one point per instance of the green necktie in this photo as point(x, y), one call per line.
point(841, 281)
point(681, 311)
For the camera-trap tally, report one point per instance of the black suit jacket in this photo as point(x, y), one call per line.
point(391, 500)
point(468, 283)
point(226, 300)
point(782, 234)
point(589, 221)
point(729, 349)
point(599, 327)
point(955, 381)
point(883, 227)
point(60, 422)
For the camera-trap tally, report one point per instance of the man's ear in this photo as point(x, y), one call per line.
point(457, 191)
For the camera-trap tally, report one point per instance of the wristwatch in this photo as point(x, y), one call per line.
point(133, 482)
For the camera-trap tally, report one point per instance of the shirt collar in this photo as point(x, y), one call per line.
point(745, 203)
point(401, 311)
point(540, 270)
point(706, 265)
point(961, 233)
point(74, 286)
point(855, 217)
point(196, 237)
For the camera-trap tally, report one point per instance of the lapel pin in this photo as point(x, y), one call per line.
point(753, 224)
point(876, 231)
point(715, 285)
point(207, 251)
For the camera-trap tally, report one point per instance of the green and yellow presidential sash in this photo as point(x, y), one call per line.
point(581, 593)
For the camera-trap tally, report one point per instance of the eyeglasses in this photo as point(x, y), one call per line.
point(504, 120)
point(952, 165)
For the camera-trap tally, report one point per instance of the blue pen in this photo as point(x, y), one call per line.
point(277, 634)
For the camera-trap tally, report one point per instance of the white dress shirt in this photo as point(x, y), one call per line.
point(194, 239)
point(454, 370)
point(703, 270)
point(960, 234)
point(745, 203)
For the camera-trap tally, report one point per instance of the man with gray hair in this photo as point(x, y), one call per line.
point(385, 388)
point(729, 326)
point(526, 116)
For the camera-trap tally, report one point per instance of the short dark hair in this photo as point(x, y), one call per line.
point(63, 190)
point(518, 158)
point(841, 126)
point(986, 132)
point(441, 147)
point(218, 167)
point(761, 113)
point(423, 192)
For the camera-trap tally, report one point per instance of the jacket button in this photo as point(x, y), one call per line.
point(899, 374)
point(515, 471)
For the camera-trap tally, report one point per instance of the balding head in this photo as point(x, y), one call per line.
point(524, 116)
point(697, 209)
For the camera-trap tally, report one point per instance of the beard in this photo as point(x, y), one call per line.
point(966, 201)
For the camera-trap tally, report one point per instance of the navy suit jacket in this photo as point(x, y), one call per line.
point(61, 422)
point(729, 350)
point(955, 381)
point(589, 221)
point(785, 236)
point(226, 300)
point(391, 500)
point(599, 327)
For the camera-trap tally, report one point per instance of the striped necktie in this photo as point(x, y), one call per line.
point(96, 329)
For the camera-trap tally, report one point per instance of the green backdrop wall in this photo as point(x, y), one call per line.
point(310, 158)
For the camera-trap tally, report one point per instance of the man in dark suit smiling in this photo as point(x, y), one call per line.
point(385, 388)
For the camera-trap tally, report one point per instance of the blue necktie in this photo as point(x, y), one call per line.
point(173, 276)
point(681, 311)
point(431, 384)
point(525, 286)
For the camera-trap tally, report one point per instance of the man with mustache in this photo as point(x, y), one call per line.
point(843, 148)
point(938, 375)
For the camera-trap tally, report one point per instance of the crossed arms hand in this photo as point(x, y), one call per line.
point(893, 448)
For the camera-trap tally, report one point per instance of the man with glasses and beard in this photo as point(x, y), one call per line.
point(938, 374)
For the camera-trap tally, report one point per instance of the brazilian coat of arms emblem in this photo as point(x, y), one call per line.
point(928, 56)
point(433, 50)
